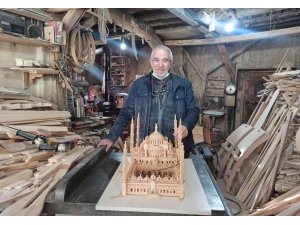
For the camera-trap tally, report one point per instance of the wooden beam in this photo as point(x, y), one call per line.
point(142, 30)
point(237, 38)
point(184, 15)
point(235, 54)
point(71, 18)
point(179, 29)
point(226, 60)
point(166, 22)
point(156, 16)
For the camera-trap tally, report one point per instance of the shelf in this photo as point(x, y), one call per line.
point(118, 72)
point(25, 41)
point(36, 70)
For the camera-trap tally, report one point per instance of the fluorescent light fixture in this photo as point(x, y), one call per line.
point(229, 27)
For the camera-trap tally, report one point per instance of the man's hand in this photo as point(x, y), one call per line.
point(106, 142)
point(184, 132)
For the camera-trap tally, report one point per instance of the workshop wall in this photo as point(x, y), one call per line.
point(266, 54)
point(45, 87)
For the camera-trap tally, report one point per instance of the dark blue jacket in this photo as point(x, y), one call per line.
point(139, 101)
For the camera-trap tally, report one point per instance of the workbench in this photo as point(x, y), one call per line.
point(81, 188)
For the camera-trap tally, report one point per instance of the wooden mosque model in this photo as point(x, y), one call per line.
point(156, 167)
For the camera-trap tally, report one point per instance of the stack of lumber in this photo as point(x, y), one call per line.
point(15, 100)
point(252, 155)
point(289, 176)
point(29, 176)
point(31, 121)
point(287, 204)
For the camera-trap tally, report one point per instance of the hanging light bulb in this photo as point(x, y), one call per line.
point(123, 45)
point(232, 22)
point(229, 27)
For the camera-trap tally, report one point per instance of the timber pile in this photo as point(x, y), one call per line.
point(27, 177)
point(31, 121)
point(254, 153)
point(15, 100)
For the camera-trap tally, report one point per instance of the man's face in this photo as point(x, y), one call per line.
point(160, 63)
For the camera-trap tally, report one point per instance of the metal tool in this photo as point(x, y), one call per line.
point(62, 144)
point(39, 140)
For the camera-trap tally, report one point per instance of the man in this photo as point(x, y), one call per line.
point(157, 97)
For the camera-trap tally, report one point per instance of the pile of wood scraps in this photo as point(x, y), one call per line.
point(31, 175)
point(33, 121)
point(15, 100)
point(28, 173)
point(255, 153)
point(289, 176)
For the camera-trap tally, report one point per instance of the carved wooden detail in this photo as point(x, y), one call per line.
point(156, 167)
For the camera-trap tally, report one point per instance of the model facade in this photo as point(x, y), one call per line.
point(156, 167)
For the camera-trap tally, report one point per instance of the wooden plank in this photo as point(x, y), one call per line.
point(262, 118)
point(15, 209)
point(36, 70)
point(293, 210)
point(22, 193)
point(36, 128)
point(25, 41)
point(42, 176)
point(15, 177)
point(39, 156)
point(19, 166)
point(78, 153)
point(237, 38)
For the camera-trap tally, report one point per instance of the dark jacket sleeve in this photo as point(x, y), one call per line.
point(192, 109)
point(124, 117)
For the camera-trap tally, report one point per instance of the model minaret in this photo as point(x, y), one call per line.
point(181, 162)
point(131, 135)
point(175, 131)
point(138, 131)
point(124, 168)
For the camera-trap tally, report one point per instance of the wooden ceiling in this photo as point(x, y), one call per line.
point(176, 24)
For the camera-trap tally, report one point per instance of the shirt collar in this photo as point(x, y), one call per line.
point(160, 78)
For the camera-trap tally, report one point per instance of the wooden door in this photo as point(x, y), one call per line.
point(249, 83)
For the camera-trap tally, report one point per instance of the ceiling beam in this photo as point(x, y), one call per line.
point(187, 17)
point(236, 38)
point(141, 30)
point(240, 13)
point(156, 16)
point(175, 30)
point(167, 22)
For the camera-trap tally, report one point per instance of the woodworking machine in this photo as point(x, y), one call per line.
point(80, 189)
